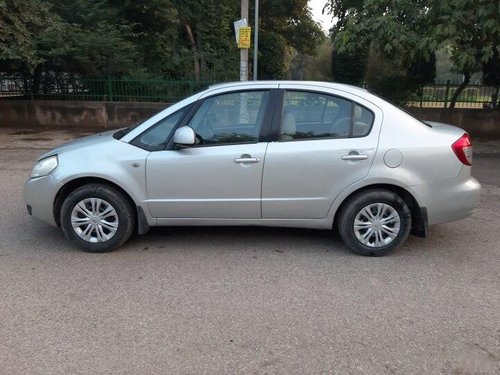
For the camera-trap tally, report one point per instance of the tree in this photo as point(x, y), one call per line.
point(207, 33)
point(25, 28)
point(154, 26)
point(276, 55)
point(349, 67)
point(410, 29)
point(369, 35)
point(395, 80)
point(472, 32)
point(286, 28)
point(491, 76)
point(46, 40)
point(20, 23)
point(313, 67)
point(63, 38)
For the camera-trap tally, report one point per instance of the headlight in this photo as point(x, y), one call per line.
point(44, 166)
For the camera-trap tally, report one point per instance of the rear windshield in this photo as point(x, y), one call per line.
point(401, 109)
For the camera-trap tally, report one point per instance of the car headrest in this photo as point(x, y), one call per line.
point(289, 124)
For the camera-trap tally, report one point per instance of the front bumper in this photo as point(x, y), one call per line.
point(39, 196)
point(448, 200)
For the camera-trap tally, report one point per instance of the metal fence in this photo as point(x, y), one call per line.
point(161, 90)
point(105, 89)
point(440, 95)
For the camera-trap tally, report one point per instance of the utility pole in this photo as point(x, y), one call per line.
point(256, 41)
point(244, 51)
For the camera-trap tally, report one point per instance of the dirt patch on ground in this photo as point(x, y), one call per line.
point(42, 139)
point(26, 132)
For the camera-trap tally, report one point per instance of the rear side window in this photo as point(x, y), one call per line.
point(362, 121)
point(309, 115)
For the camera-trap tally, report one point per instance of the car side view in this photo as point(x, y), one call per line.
point(270, 153)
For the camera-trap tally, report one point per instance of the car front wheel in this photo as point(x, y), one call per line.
point(97, 218)
point(374, 222)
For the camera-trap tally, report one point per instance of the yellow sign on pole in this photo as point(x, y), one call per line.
point(244, 37)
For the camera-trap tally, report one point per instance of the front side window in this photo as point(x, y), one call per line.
point(308, 115)
point(230, 118)
point(156, 137)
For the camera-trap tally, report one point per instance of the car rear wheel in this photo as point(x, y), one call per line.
point(97, 218)
point(374, 222)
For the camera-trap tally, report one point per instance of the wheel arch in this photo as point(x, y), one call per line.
point(418, 214)
point(70, 186)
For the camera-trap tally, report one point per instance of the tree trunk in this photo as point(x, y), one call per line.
point(494, 98)
point(36, 79)
point(194, 49)
point(26, 86)
point(459, 90)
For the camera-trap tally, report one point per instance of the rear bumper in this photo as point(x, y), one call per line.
point(39, 195)
point(448, 200)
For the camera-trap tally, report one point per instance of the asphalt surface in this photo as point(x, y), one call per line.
point(245, 300)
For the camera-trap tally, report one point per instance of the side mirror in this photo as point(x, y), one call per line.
point(184, 137)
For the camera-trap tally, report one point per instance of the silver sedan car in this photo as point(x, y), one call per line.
point(288, 154)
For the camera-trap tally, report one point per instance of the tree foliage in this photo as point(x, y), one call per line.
point(206, 38)
point(396, 80)
point(177, 39)
point(287, 28)
point(313, 67)
point(20, 24)
point(491, 76)
point(349, 67)
point(411, 30)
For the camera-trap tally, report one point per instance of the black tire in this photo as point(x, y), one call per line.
point(374, 246)
point(121, 220)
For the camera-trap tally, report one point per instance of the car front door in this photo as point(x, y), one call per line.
point(220, 177)
point(325, 142)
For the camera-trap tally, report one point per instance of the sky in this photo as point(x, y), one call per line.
point(316, 7)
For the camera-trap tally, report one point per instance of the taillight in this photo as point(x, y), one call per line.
point(463, 149)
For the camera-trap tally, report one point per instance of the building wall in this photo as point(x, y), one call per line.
point(79, 114)
point(479, 123)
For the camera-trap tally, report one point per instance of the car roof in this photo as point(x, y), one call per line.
point(333, 85)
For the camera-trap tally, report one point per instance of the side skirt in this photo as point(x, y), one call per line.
point(290, 223)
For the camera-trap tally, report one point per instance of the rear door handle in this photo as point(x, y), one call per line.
point(247, 160)
point(354, 156)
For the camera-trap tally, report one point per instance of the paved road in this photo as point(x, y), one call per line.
point(245, 300)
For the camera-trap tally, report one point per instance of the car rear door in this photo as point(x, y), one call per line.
point(324, 141)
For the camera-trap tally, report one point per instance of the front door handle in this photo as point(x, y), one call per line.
point(246, 160)
point(354, 156)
